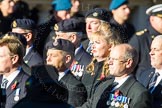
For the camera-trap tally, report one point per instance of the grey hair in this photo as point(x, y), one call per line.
point(158, 37)
point(131, 53)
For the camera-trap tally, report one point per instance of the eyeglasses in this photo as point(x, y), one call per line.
point(116, 59)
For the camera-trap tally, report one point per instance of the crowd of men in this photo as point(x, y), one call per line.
point(94, 59)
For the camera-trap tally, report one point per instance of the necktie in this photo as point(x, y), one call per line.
point(153, 81)
point(114, 84)
point(3, 92)
point(89, 48)
point(4, 83)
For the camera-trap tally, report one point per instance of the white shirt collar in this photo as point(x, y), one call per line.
point(28, 49)
point(76, 50)
point(11, 77)
point(120, 82)
point(61, 74)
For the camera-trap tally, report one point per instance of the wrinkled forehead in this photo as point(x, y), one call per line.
point(89, 19)
point(54, 50)
point(117, 51)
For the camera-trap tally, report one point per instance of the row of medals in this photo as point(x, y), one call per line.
point(119, 101)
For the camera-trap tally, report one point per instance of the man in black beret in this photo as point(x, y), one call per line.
point(27, 28)
point(94, 18)
point(72, 30)
point(60, 54)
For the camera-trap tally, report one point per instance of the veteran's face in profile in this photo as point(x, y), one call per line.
point(117, 64)
point(92, 25)
point(5, 60)
point(156, 53)
point(55, 58)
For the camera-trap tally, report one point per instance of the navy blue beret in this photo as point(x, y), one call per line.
point(70, 25)
point(58, 5)
point(61, 44)
point(116, 3)
point(24, 24)
point(99, 13)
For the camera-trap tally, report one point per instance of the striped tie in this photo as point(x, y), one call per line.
point(89, 48)
point(153, 81)
point(4, 83)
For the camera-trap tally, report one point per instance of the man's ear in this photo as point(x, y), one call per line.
point(129, 63)
point(68, 58)
point(28, 37)
point(14, 59)
point(73, 38)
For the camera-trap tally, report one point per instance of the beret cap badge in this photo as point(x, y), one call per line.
point(56, 27)
point(55, 43)
point(95, 14)
point(14, 24)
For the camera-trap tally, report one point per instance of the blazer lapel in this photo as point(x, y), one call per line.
point(1, 76)
point(79, 54)
point(146, 82)
point(18, 79)
point(66, 77)
point(28, 57)
point(127, 85)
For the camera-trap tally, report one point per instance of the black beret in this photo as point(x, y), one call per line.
point(70, 25)
point(24, 24)
point(61, 44)
point(19, 36)
point(99, 13)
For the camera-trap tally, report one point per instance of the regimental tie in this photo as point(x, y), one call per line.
point(153, 81)
point(3, 87)
point(4, 83)
point(89, 48)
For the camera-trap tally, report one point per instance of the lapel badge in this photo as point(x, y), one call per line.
point(13, 86)
point(17, 94)
point(95, 14)
point(56, 28)
point(26, 61)
point(14, 24)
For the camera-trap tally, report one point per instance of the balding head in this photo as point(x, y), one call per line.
point(123, 60)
